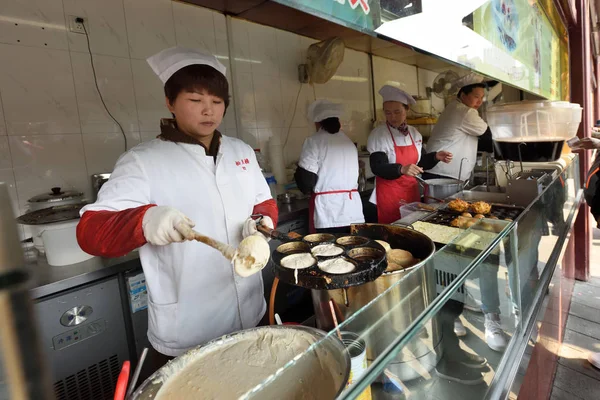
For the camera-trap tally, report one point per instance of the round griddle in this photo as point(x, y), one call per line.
point(367, 255)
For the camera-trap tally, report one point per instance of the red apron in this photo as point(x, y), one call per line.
point(311, 206)
point(389, 193)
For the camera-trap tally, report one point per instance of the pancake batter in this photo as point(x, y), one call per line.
point(337, 266)
point(327, 250)
point(251, 256)
point(231, 370)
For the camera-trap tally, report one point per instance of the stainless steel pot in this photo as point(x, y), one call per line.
point(329, 357)
point(404, 295)
point(435, 189)
point(56, 197)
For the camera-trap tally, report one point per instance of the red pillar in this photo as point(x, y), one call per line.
point(581, 81)
point(596, 98)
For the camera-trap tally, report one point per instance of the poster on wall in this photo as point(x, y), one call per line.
point(361, 15)
point(523, 31)
point(509, 40)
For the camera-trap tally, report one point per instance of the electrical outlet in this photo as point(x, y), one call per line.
point(74, 26)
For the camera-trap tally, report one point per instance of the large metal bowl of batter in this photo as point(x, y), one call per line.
point(321, 372)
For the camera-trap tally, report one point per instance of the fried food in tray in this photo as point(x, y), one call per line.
point(463, 222)
point(458, 205)
point(481, 207)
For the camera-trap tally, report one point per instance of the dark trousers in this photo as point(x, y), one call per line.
point(449, 312)
point(339, 229)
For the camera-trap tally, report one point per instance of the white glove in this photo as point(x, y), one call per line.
point(250, 227)
point(163, 225)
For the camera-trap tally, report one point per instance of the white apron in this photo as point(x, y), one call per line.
point(334, 159)
point(194, 294)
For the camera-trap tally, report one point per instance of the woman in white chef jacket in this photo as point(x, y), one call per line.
point(328, 171)
point(397, 156)
point(191, 175)
point(458, 130)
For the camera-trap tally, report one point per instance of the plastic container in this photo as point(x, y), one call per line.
point(534, 121)
point(60, 242)
point(272, 182)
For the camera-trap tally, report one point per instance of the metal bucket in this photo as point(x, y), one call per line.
point(393, 313)
point(440, 189)
point(329, 358)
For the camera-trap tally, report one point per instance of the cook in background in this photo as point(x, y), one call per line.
point(397, 156)
point(191, 175)
point(459, 129)
point(328, 171)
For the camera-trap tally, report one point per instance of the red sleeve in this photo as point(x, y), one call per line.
point(112, 233)
point(268, 208)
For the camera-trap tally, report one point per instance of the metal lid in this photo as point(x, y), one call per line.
point(56, 195)
point(52, 214)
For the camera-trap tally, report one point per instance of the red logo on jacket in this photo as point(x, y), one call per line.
point(242, 163)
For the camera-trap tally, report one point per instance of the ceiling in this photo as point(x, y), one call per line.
point(276, 15)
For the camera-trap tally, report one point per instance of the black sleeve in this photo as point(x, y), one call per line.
point(305, 180)
point(428, 160)
point(592, 189)
point(382, 168)
point(485, 143)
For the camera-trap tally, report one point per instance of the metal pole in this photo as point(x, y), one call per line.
point(21, 356)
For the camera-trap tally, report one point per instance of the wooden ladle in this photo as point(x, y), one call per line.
point(227, 250)
point(251, 256)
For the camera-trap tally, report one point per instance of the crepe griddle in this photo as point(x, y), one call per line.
point(367, 255)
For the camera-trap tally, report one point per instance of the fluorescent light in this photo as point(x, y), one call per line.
point(240, 59)
point(408, 5)
point(348, 78)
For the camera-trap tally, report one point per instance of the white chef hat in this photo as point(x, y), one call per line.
point(322, 109)
point(469, 79)
point(166, 62)
point(392, 93)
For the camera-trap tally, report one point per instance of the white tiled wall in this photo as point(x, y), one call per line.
point(54, 130)
point(267, 88)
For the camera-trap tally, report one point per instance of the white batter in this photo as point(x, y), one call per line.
point(231, 370)
point(327, 250)
point(251, 256)
point(337, 266)
point(298, 261)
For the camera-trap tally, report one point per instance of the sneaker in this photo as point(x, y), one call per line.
point(494, 335)
point(594, 359)
point(472, 304)
point(459, 328)
point(472, 360)
point(457, 372)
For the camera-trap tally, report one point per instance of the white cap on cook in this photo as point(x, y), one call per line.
point(469, 79)
point(322, 109)
point(166, 62)
point(392, 93)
